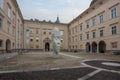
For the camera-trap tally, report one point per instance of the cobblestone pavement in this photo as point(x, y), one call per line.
point(66, 66)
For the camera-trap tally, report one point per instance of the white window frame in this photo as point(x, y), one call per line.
point(102, 32)
point(61, 32)
point(113, 30)
point(93, 21)
point(9, 11)
point(80, 37)
point(93, 35)
point(115, 15)
point(101, 18)
point(87, 36)
point(87, 24)
point(81, 27)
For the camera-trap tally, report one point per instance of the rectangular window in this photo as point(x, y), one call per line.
point(93, 21)
point(80, 36)
point(1, 22)
point(37, 31)
point(1, 43)
point(61, 33)
point(37, 46)
point(73, 39)
point(101, 18)
point(31, 31)
point(44, 31)
point(87, 24)
point(114, 44)
point(12, 30)
point(80, 27)
point(8, 26)
point(101, 33)
point(37, 40)
point(1, 4)
point(61, 40)
point(113, 12)
point(72, 30)
point(13, 17)
point(76, 39)
point(94, 34)
point(9, 12)
point(87, 35)
point(31, 40)
point(113, 30)
point(76, 29)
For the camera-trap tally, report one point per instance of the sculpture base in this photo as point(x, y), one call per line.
point(55, 55)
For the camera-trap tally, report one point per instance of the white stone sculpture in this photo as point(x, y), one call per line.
point(56, 37)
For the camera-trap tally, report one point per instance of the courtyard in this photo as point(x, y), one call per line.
point(66, 66)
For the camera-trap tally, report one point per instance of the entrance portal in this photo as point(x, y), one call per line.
point(88, 47)
point(102, 47)
point(47, 47)
point(8, 46)
point(94, 47)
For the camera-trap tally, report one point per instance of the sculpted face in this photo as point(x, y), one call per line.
point(56, 40)
point(57, 43)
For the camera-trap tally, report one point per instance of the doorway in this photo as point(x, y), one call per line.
point(8, 46)
point(47, 47)
point(102, 47)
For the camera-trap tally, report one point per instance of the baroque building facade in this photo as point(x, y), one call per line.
point(38, 35)
point(96, 30)
point(11, 26)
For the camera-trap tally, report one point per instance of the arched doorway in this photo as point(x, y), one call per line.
point(88, 48)
point(94, 47)
point(47, 47)
point(102, 47)
point(47, 44)
point(8, 46)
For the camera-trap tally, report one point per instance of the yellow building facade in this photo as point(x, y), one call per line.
point(96, 30)
point(11, 26)
point(38, 35)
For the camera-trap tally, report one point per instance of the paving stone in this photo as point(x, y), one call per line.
point(103, 75)
point(98, 63)
point(61, 74)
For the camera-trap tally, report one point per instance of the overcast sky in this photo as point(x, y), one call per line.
point(47, 10)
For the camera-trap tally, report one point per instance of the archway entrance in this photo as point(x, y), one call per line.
point(47, 47)
point(94, 47)
point(47, 44)
point(88, 48)
point(8, 46)
point(102, 47)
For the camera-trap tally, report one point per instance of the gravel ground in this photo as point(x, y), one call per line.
point(103, 75)
point(62, 74)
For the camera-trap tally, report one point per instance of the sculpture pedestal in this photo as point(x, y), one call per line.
point(55, 55)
